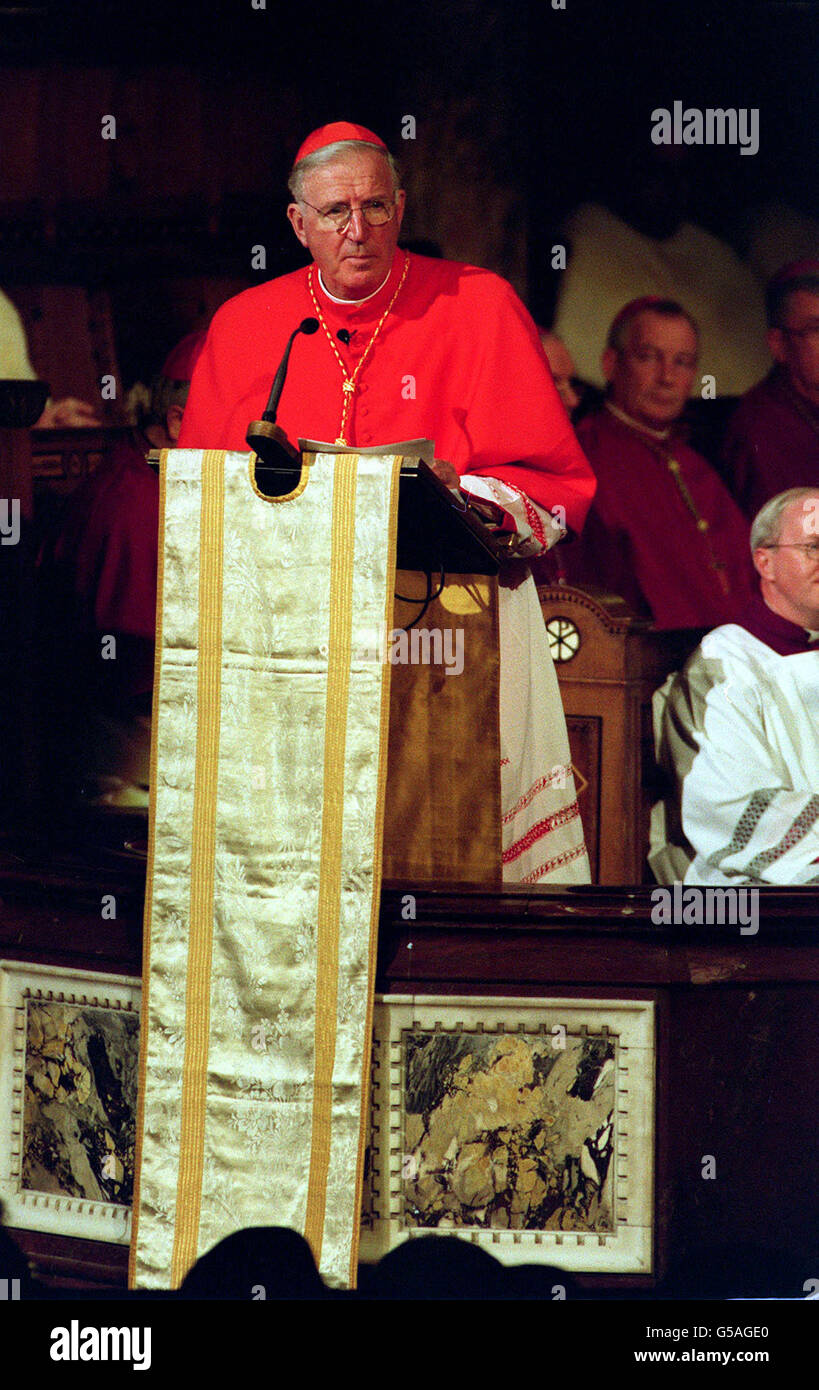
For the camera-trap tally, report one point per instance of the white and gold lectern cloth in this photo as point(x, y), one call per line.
point(267, 787)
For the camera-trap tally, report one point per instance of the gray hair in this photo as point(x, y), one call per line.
point(767, 524)
point(321, 157)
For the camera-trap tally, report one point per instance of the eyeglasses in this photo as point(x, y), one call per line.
point(376, 212)
point(685, 362)
point(811, 548)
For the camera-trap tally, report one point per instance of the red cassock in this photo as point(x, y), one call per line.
point(772, 443)
point(687, 563)
point(457, 360)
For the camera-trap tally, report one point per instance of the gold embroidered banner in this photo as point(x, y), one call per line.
point(270, 729)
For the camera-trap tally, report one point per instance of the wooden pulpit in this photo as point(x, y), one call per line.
point(442, 819)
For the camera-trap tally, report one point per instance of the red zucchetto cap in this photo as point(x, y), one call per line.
point(182, 359)
point(794, 270)
point(335, 131)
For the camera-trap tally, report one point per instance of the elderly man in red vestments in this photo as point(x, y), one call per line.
point(663, 531)
point(416, 347)
point(772, 442)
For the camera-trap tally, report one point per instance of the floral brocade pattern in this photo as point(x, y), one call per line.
point(267, 868)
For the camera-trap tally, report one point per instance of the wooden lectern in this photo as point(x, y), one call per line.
point(442, 821)
point(442, 815)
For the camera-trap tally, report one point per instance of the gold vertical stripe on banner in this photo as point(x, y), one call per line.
point(200, 938)
point(378, 857)
point(149, 878)
point(342, 555)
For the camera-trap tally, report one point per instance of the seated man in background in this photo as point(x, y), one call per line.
point(550, 569)
point(663, 531)
point(562, 368)
point(738, 727)
point(100, 570)
point(772, 442)
point(645, 239)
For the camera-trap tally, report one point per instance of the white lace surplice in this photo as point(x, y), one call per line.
point(738, 727)
point(542, 829)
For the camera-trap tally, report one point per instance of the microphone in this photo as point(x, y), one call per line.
point(282, 463)
point(344, 335)
point(307, 326)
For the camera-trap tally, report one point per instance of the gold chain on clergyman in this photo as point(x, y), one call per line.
point(703, 527)
point(663, 453)
point(350, 382)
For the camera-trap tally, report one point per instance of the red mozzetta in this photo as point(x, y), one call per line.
point(457, 360)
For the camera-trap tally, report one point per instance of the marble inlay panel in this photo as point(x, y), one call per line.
point(69, 1052)
point(509, 1132)
point(522, 1125)
point(81, 1080)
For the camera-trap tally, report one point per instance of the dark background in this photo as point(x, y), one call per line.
point(522, 111)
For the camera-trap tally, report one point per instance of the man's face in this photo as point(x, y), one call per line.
point(355, 262)
point(789, 575)
point(796, 344)
point(652, 374)
point(563, 369)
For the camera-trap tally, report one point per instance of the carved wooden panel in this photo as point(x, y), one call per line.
point(584, 742)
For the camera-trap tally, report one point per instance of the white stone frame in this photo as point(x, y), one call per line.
point(629, 1250)
point(51, 1212)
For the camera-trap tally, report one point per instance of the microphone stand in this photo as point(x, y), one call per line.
point(276, 458)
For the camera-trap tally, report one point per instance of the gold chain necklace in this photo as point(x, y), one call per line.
point(662, 451)
point(350, 382)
